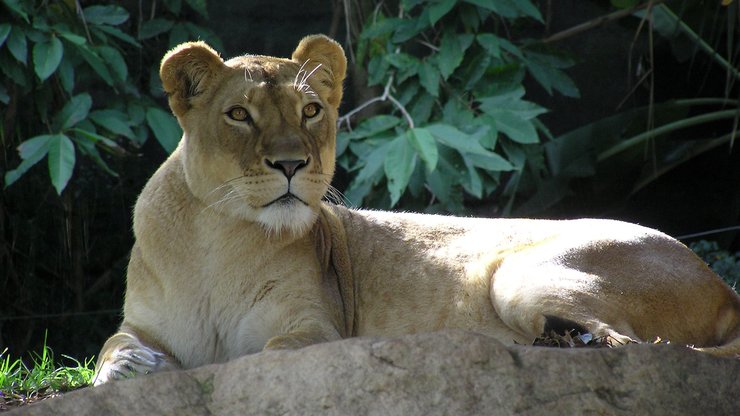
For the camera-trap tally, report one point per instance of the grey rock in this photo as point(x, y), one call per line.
point(444, 373)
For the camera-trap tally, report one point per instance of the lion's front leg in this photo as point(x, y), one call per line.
point(303, 336)
point(125, 355)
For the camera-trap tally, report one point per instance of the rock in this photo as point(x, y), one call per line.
point(449, 372)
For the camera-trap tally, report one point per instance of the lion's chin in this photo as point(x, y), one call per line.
point(291, 217)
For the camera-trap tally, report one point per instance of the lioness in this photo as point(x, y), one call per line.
point(236, 252)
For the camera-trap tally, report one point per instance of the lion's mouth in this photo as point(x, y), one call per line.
point(286, 199)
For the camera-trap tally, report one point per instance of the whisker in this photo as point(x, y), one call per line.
point(232, 195)
point(295, 81)
point(247, 71)
point(303, 86)
point(335, 196)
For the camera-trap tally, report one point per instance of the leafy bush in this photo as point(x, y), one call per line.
point(625, 152)
point(459, 124)
point(724, 263)
point(79, 96)
point(68, 87)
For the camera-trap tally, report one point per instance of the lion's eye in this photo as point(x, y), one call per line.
point(238, 114)
point(311, 110)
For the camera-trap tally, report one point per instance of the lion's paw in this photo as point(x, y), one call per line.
point(129, 362)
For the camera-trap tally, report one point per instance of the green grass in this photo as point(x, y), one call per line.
point(21, 384)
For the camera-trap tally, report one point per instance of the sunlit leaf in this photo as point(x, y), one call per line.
point(425, 145)
point(399, 165)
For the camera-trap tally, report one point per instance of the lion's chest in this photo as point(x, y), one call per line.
point(228, 290)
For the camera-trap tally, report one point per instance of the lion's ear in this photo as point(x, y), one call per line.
point(325, 51)
point(187, 71)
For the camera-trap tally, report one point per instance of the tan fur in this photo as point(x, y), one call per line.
point(225, 264)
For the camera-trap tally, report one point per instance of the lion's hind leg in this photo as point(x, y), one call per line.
point(536, 301)
point(125, 355)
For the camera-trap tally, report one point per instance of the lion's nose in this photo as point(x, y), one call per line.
point(288, 167)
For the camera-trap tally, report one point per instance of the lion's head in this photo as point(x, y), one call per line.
point(259, 132)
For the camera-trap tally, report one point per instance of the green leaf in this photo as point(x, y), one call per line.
point(13, 70)
point(114, 121)
point(154, 27)
point(374, 161)
point(516, 127)
point(469, 146)
point(66, 74)
point(373, 126)
point(475, 69)
point(510, 8)
point(511, 101)
point(474, 186)
point(91, 57)
point(377, 70)
point(4, 32)
point(491, 161)
point(451, 52)
point(199, 6)
point(34, 145)
point(439, 9)
point(47, 56)
point(17, 44)
point(624, 4)
point(18, 7)
point(406, 29)
point(425, 145)
point(551, 78)
point(61, 161)
point(86, 146)
point(105, 15)
point(178, 35)
point(380, 28)
point(399, 165)
point(4, 96)
point(429, 78)
point(71, 37)
point(528, 9)
point(74, 111)
point(117, 33)
point(165, 128)
point(500, 7)
point(96, 138)
point(114, 60)
point(173, 5)
point(31, 151)
point(407, 65)
point(490, 43)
